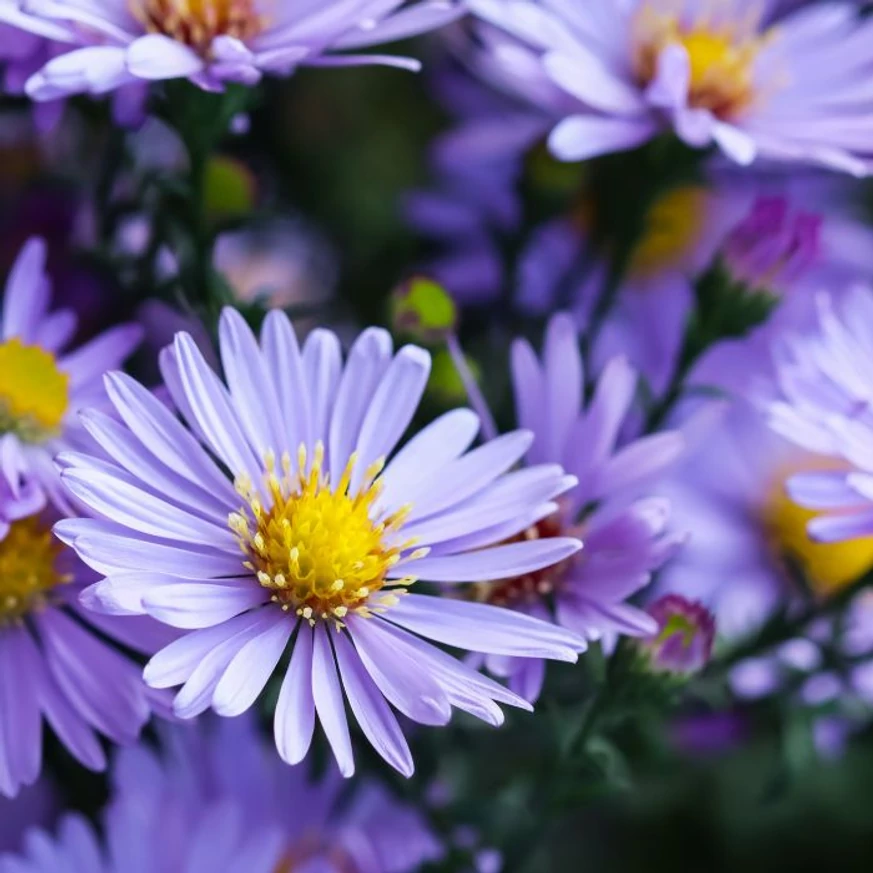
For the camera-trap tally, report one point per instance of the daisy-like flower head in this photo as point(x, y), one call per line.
point(626, 536)
point(213, 799)
point(827, 407)
point(42, 383)
point(313, 541)
point(55, 659)
point(212, 42)
point(750, 540)
point(744, 76)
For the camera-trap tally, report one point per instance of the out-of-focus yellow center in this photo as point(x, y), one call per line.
point(535, 586)
point(34, 393)
point(316, 547)
point(198, 22)
point(828, 566)
point(721, 57)
point(28, 568)
point(673, 226)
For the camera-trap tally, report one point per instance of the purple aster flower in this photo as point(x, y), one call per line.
point(827, 407)
point(148, 827)
point(626, 536)
point(43, 384)
point(309, 822)
point(212, 42)
point(746, 526)
point(749, 550)
point(756, 82)
point(56, 661)
point(683, 641)
point(215, 800)
point(314, 544)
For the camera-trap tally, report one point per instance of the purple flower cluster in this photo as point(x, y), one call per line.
point(228, 503)
point(215, 800)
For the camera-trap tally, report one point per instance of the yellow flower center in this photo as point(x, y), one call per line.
point(28, 568)
point(721, 57)
point(316, 547)
point(198, 22)
point(34, 392)
point(672, 227)
point(828, 566)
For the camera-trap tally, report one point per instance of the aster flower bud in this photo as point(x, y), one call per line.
point(772, 246)
point(683, 642)
point(423, 310)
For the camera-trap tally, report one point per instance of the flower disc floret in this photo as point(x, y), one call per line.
point(721, 58)
point(316, 547)
point(34, 392)
point(197, 23)
point(28, 569)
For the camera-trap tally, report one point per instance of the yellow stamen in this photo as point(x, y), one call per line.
point(317, 548)
point(829, 567)
point(721, 56)
point(28, 569)
point(198, 22)
point(34, 392)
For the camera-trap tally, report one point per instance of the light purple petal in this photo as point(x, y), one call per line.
point(295, 711)
point(328, 697)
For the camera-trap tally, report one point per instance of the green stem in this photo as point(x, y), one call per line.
point(201, 120)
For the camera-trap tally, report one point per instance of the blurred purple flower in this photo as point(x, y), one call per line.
point(757, 83)
point(473, 203)
point(33, 807)
point(330, 542)
point(683, 641)
point(828, 408)
point(215, 800)
point(709, 733)
point(21, 55)
point(283, 265)
point(43, 386)
point(27, 45)
point(212, 42)
point(56, 662)
point(840, 696)
point(626, 536)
